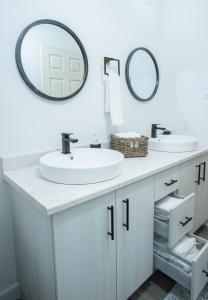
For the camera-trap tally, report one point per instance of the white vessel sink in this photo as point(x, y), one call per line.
point(82, 166)
point(173, 143)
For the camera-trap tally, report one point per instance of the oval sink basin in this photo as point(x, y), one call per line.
point(82, 166)
point(173, 143)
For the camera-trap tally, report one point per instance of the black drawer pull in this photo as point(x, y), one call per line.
point(204, 164)
point(199, 174)
point(127, 214)
point(186, 222)
point(205, 272)
point(111, 233)
point(171, 182)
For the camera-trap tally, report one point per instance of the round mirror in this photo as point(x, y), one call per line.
point(142, 74)
point(51, 60)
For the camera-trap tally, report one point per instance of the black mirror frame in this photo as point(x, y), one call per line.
point(19, 60)
point(128, 78)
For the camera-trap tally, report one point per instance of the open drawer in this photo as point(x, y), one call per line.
point(191, 275)
point(175, 223)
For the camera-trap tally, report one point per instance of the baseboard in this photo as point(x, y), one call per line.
point(10, 293)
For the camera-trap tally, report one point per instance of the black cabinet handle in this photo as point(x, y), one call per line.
point(171, 182)
point(127, 214)
point(111, 233)
point(204, 164)
point(186, 222)
point(205, 272)
point(199, 174)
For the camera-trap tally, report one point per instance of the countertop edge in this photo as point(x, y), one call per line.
point(80, 200)
point(105, 191)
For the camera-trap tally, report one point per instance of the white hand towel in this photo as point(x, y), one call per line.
point(172, 259)
point(184, 247)
point(107, 106)
point(113, 103)
point(168, 203)
point(128, 134)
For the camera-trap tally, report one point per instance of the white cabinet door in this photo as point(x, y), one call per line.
point(85, 254)
point(187, 177)
point(135, 215)
point(202, 197)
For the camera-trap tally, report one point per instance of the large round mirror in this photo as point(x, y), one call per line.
point(142, 74)
point(51, 60)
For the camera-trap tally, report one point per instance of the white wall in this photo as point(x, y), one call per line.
point(107, 27)
point(185, 82)
point(29, 123)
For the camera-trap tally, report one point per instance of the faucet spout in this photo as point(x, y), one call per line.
point(66, 140)
point(154, 130)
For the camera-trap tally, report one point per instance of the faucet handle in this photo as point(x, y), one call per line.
point(156, 126)
point(66, 134)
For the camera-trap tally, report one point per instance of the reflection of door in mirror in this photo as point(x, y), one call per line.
point(62, 71)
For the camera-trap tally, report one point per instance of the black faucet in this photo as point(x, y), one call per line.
point(66, 140)
point(154, 130)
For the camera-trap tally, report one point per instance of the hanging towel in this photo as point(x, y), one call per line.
point(113, 103)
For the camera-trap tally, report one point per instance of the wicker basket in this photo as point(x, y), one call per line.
point(130, 147)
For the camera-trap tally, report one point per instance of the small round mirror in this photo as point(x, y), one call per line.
point(142, 74)
point(51, 60)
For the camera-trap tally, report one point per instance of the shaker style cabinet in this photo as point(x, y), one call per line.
point(194, 179)
point(105, 243)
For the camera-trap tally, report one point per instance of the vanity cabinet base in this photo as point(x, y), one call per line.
point(95, 250)
point(34, 250)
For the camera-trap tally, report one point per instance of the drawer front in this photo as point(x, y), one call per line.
point(173, 271)
point(166, 182)
point(199, 272)
point(181, 220)
point(161, 228)
point(193, 281)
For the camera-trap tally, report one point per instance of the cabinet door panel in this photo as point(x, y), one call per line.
point(187, 176)
point(85, 255)
point(134, 246)
point(202, 205)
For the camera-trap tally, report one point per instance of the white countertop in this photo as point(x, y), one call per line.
point(52, 198)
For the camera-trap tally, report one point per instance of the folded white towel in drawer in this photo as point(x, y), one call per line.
point(168, 203)
point(162, 216)
point(186, 248)
point(172, 259)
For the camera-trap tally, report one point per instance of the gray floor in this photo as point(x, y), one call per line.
point(156, 288)
point(159, 285)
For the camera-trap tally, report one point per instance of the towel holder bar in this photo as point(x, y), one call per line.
point(107, 60)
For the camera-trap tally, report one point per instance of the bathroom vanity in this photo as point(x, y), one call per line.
point(95, 241)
